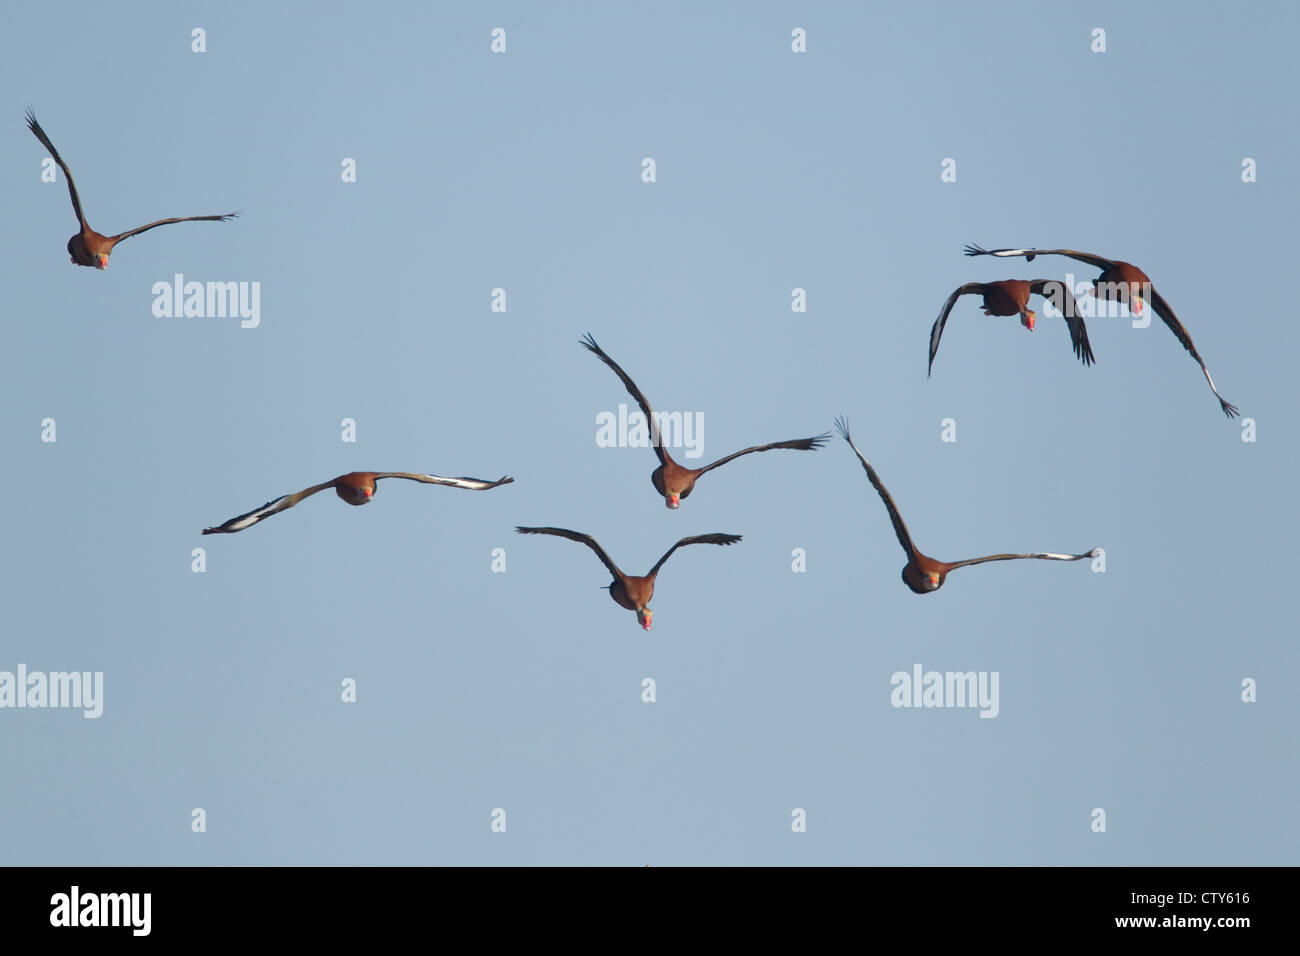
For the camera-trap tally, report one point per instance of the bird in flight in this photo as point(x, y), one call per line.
point(924, 574)
point(87, 247)
point(356, 488)
point(670, 479)
point(633, 593)
point(1121, 282)
point(1011, 297)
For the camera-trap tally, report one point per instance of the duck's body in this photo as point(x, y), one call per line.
point(673, 481)
point(88, 247)
point(922, 573)
point(356, 488)
point(628, 590)
point(1011, 297)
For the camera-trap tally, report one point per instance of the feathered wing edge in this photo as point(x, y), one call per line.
point(588, 342)
point(240, 522)
point(1044, 555)
point(35, 127)
point(581, 538)
point(716, 537)
point(798, 444)
point(900, 529)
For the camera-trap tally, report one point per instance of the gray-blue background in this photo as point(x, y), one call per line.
point(522, 690)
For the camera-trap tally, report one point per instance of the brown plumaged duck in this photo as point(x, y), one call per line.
point(1120, 282)
point(922, 573)
point(1011, 297)
point(356, 488)
point(670, 479)
point(88, 247)
point(627, 590)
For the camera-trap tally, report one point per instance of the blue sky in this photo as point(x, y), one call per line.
point(522, 690)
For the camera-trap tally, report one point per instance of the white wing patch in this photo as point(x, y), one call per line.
point(974, 250)
point(470, 484)
point(473, 484)
point(253, 517)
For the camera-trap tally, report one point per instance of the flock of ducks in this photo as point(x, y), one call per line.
point(1119, 281)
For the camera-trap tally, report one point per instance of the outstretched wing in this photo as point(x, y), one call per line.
point(1101, 262)
point(471, 484)
point(590, 345)
point(578, 536)
point(163, 222)
point(714, 538)
point(799, 444)
point(936, 332)
point(1045, 556)
point(270, 508)
point(900, 528)
point(35, 127)
point(1059, 294)
point(1167, 314)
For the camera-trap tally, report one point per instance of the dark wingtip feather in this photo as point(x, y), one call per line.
point(719, 537)
point(842, 426)
point(974, 250)
point(807, 444)
point(589, 342)
point(1229, 409)
point(36, 129)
